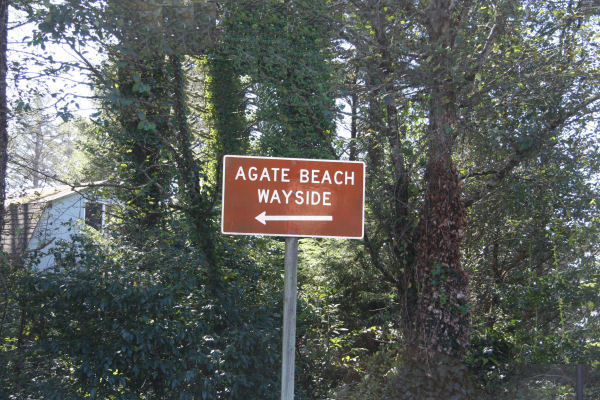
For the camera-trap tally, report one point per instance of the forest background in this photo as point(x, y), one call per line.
point(478, 122)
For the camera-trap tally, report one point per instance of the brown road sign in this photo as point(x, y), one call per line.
point(293, 197)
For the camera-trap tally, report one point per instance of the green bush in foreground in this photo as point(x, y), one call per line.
point(120, 322)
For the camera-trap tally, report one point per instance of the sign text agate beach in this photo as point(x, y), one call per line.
point(292, 197)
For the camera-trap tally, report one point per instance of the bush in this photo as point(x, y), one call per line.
point(115, 321)
point(393, 375)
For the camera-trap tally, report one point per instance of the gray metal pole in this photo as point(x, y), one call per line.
point(579, 384)
point(289, 318)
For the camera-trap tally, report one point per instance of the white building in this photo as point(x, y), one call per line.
point(44, 217)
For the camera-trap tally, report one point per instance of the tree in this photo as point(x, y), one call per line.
point(427, 72)
point(167, 189)
point(3, 134)
point(465, 112)
point(38, 146)
point(3, 105)
point(283, 47)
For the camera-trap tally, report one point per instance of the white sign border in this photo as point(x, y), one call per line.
point(362, 216)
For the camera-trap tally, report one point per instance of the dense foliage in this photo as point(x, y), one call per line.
point(478, 123)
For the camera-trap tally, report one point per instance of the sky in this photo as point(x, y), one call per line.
point(29, 67)
point(28, 79)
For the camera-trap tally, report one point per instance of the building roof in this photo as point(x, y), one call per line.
point(43, 195)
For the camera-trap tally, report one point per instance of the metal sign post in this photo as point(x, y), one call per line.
point(289, 318)
point(579, 383)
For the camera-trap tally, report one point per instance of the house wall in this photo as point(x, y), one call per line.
point(20, 221)
point(61, 218)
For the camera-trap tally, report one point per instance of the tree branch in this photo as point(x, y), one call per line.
point(497, 176)
point(375, 259)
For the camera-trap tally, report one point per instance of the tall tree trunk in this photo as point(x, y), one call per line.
point(353, 125)
point(231, 135)
point(37, 155)
point(230, 130)
point(441, 321)
point(3, 140)
point(144, 152)
point(189, 173)
point(198, 205)
point(3, 107)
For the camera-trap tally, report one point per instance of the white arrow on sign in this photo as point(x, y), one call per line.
point(263, 218)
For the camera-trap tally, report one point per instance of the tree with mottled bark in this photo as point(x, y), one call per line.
point(437, 93)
